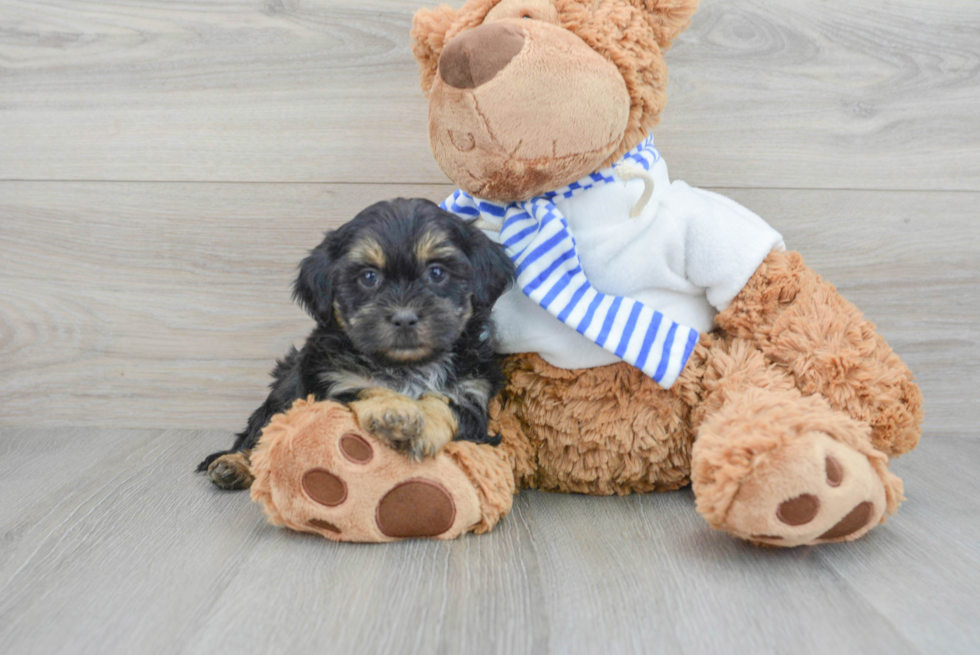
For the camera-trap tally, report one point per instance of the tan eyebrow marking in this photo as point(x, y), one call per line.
point(432, 245)
point(368, 251)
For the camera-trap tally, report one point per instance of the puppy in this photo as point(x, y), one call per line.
point(401, 296)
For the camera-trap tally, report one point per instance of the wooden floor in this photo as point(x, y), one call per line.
point(165, 165)
point(111, 545)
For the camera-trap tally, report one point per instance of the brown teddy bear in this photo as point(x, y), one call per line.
point(705, 352)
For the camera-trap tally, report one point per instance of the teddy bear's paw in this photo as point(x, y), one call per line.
point(318, 471)
point(812, 490)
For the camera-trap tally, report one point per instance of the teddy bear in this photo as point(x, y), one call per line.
point(658, 335)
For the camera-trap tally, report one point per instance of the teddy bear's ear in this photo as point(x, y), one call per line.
point(668, 17)
point(429, 27)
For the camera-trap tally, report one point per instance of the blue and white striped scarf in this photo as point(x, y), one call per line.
point(538, 240)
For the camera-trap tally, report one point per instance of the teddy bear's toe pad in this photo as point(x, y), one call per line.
point(812, 490)
point(856, 519)
point(316, 471)
point(799, 510)
point(835, 474)
point(324, 525)
point(356, 448)
point(324, 487)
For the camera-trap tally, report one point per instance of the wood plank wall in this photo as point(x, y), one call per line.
point(164, 166)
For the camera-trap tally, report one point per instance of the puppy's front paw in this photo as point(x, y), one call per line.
point(418, 427)
point(398, 425)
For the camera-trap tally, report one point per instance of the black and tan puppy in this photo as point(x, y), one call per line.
point(402, 297)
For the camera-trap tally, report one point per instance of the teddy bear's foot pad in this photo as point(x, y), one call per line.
point(842, 496)
point(316, 471)
point(324, 487)
point(803, 509)
point(414, 508)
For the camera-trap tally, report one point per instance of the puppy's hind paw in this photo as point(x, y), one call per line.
point(231, 471)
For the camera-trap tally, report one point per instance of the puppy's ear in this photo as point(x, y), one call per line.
point(313, 288)
point(494, 269)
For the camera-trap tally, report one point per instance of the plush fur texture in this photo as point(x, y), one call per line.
point(792, 392)
point(611, 430)
point(488, 137)
point(402, 296)
point(607, 430)
point(309, 437)
point(787, 413)
point(592, 71)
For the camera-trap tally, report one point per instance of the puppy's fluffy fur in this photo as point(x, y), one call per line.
point(402, 297)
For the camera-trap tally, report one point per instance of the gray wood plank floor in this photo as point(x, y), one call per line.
point(165, 165)
point(112, 545)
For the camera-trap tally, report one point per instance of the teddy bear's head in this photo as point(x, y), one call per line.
point(526, 96)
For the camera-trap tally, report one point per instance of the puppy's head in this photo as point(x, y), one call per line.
point(404, 280)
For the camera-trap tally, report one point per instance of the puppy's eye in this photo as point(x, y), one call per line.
point(368, 279)
point(437, 274)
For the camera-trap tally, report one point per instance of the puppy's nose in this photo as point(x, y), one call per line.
point(404, 318)
point(476, 55)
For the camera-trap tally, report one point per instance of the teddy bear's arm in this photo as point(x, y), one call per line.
point(724, 242)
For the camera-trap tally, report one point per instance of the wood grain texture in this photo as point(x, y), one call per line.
point(165, 305)
point(122, 549)
point(765, 93)
point(939, 517)
point(165, 165)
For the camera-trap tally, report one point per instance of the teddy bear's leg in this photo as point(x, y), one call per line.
point(822, 341)
point(603, 431)
point(779, 468)
point(514, 446)
point(317, 471)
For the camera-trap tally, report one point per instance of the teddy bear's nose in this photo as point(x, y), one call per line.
point(476, 55)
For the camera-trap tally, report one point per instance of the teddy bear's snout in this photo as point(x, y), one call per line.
point(475, 56)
